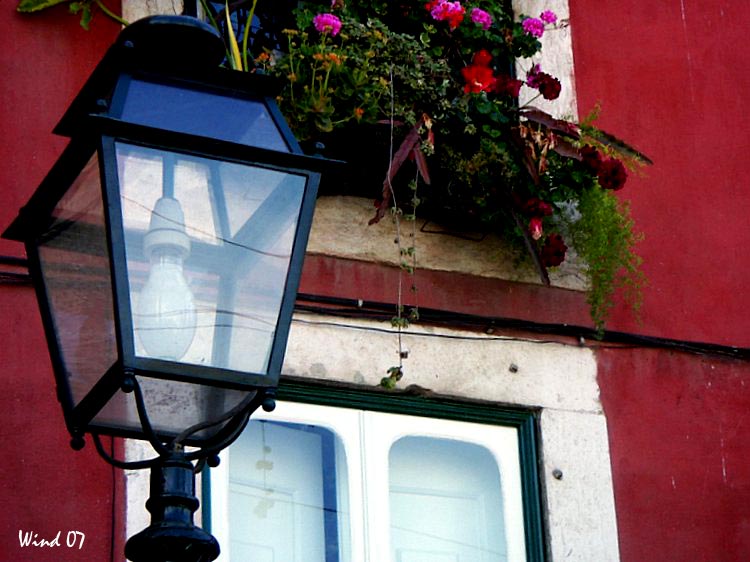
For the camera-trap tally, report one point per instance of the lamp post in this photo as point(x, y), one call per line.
point(166, 247)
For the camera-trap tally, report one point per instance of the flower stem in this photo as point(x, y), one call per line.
point(109, 13)
point(248, 26)
point(532, 100)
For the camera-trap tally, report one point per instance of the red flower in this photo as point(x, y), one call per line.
point(507, 85)
point(591, 158)
point(444, 10)
point(481, 58)
point(612, 174)
point(549, 87)
point(478, 79)
point(537, 208)
point(535, 228)
point(553, 251)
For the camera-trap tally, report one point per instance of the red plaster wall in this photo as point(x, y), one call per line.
point(670, 77)
point(442, 290)
point(45, 487)
point(679, 430)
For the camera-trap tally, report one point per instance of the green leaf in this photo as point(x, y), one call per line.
point(29, 6)
point(234, 47)
point(483, 105)
point(86, 17)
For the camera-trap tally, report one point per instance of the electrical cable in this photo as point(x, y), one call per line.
point(370, 310)
point(584, 336)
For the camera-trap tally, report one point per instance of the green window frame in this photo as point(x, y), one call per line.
point(415, 402)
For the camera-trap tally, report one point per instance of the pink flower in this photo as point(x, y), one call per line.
point(535, 228)
point(533, 76)
point(548, 16)
point(327, 23)
point(533, 26)
point(480, 17)
point(452, 12)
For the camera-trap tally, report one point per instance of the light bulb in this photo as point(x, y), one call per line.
point(165, 315)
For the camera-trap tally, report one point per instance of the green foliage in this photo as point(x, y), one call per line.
point(83, 7)
point(604, 237)
point(29, 6)
point(495, 165)
point(395, 374)
point(337, 81)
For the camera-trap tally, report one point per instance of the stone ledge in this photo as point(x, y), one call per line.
point(340, 230)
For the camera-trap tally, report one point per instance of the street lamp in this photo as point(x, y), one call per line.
point(166, 247)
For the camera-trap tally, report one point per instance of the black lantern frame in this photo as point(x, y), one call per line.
point(159, 91)
point(175, 57)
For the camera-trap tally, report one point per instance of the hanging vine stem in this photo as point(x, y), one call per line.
point(407, 255)
point(84, 7)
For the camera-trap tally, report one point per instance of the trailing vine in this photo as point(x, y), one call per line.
point(603, 237)
point(407, 260)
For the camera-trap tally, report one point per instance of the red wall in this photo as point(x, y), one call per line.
point(45, 487)
point(679, 427)
point(671, 79)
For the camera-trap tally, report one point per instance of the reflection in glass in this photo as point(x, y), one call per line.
point(74, 258)
point(287, 495)
point(221, 235)
point(446, 502)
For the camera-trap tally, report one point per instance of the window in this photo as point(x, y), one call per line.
point(312, 483)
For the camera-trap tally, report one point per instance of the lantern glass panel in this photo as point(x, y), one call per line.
point(74, 261)
point(195, 112)
point(208, 245)
point(172, 407)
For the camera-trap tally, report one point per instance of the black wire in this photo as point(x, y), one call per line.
point(370, 310)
